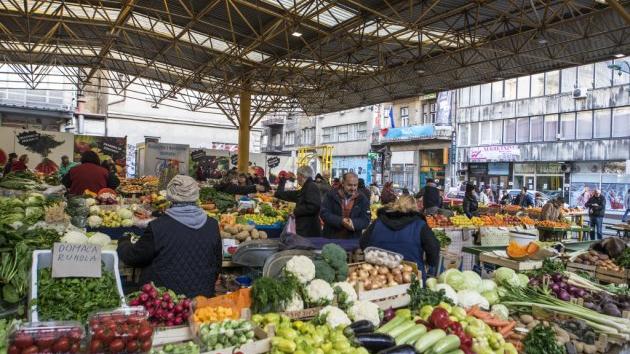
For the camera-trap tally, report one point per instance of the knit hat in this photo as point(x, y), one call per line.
point(182, 189)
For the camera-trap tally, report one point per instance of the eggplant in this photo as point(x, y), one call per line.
point(359, 327)
point(374, 342)
point(399, 349)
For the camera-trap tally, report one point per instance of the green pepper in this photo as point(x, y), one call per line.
point(459, 313)
point(284, 345)
point(426, 311)
point(406, 313)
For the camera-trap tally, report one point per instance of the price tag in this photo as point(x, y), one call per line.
point(74, 260)
point(197, 155)
point(273, 161)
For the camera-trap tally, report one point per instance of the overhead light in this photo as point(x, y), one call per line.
point(619, 55)
point(542, 40)
point(420, 71)
point(296, 34)
point(498, 78)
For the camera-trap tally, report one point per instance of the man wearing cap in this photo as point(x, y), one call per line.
point(180, 250)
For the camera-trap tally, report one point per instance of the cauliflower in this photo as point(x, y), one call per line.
point(319, 292)
point(365, 310)
point(89, 202)
point(346, 294)
point(75, 237)
point(124, 213)
point(302, 268)
point(296, 304)
point(100, 239)
point(335, 317)
point(94, 221)
point(95, 210)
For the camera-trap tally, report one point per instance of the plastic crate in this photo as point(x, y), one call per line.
point(43, 259)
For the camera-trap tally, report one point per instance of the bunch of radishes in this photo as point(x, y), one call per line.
point(165, 308)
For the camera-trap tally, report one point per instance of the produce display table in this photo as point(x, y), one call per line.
point(519, 266)
point(559, 233)
point(621, 230)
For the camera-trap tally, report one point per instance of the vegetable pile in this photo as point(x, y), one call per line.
point(598, 259)
point(542, 340)
point(333, 264)
point(123, 331)
point(226, 334)
point(222, 201)
point(164, 307)
point(372, 277)
point(178, 348)
point(303, 337)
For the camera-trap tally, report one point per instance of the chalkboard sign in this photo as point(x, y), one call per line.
point(197, 155)
point(28, 138)
point(74, 260)
point(234, 159)
point(112, 149)
point(273, 161)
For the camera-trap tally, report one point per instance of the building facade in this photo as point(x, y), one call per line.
point(562, 132)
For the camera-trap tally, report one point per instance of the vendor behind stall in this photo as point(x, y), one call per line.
point(552, 210)
point(345, 211)
point(180, 250)
point(230, 184)
point(308, 202)
point(89, 175)
point(402, 229)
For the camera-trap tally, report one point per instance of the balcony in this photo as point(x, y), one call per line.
point(271, 149)
point(273, 121)
point(413, 133)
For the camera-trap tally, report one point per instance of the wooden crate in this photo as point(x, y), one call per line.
point(172, 335)
point(578, 267)
point(384, 293)
point(489, 257)
point(612, 277)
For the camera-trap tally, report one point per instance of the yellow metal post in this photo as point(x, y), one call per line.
point(243, 130)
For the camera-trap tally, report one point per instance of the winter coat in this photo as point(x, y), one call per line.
point(176, 257)
point(231, 188)
point(524, 200)
point(89, 176)
point(470, 205)
point(430, 196)
point(600, 209)
point(307, 205)
point(550, 212)
point(324, 187)
point(404, 233)
point(332, 214)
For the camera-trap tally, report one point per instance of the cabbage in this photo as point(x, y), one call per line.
point(100, 239)
point(501, 291)
point(74, 237)
point(125, 213)
point(503, 274)
point(94, 221)
point(491, 296)
point(487, 285)
point(449, 292)
point(95, 210)
point(523, 280)
point(472, 280)
point(501, 311)
point(431, 283)
point(35, 199)
point(470, 298)
point(514, 281)
point(452, 277)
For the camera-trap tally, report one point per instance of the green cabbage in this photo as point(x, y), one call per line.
point(500, 311)
point(431, 283)
point(503, 274)
point(523, 280)
point(452, 277)
point(487, 285)
point(472, 280)
point(491, 296)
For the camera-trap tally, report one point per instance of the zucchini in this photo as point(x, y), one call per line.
point(399, 349)
point(456, 351)
point(373, 342)
point(429, 339)
point(400, 329)
point(391, 324)
point(446, 344)
point(411, 335)
point(357, 327)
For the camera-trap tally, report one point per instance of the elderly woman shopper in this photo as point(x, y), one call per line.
point(180, 250)
point(400, 228)
point(307, 203)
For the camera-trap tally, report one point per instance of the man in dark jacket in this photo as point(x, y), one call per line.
point(345, 211)
point(402, 229)
point(308, 203)
point(430, 195)
point(596, 205)
point(524, 200)
point(180, 250)
point(323, 183)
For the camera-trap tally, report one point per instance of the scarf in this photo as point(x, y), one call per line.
point(188, 214)
point(346, 203)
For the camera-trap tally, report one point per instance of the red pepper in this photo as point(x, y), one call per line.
point(465, 340)
point(439, 318)
point(455, 328)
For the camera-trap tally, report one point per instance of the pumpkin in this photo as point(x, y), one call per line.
point(532, 248)
point(516, 251)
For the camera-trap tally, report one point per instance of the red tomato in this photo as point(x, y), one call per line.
point(132, 346)
point(75, 335)
point(145, 333)
point(13, 350)
point(146, 345)
point(98, 334)
point(75, 348)
point(96, 346)
point(62, 345)
point(116, 346)
point(30, 350)
point(132, 333)
point(135, 319)
point(23, 340)
point(45, 341)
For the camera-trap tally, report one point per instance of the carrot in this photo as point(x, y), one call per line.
point(517, 344)
point(482, 314)
point(494, 322)
point(472, 310)
point(505, 330)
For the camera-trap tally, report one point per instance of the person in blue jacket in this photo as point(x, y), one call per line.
point(523, 199)
point(345, 211)
point(400, 228)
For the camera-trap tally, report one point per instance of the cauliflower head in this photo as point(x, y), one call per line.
point(365, 310)
point(345, 293)
point(319, 292)
point(99, 239)
point(75, 237)
point(296, 304)
point(302, 268)
point(94, 221)
point(335, 317)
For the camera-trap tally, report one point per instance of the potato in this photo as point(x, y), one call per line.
point(248, 227)
point(231, 229)
point(242, 236)
point(526, 319)
point(254, 234)
point(225, 234)
point(262, 235)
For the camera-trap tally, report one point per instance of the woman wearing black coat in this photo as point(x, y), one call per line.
point(470, 201)
point(308, 203)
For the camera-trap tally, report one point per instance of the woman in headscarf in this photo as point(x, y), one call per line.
point(180, 250)
point(388, 195)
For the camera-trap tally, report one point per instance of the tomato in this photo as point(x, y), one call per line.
point(122, 329)
point(98, 334)
point(62, 345)
point(75, 335)
point(116, 346)
point(146, 345)
point(13, 350)
point(96, 346)
point(30, 350)
point(23, 340)
point(45, 341)
point(135, 319)
point(133, 333)
point(75, 348)
point(145, 333)
point(132, 346)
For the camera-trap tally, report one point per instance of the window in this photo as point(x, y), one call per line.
point(404, 116)
point(464, 97)
point(306, 137)
point(567, 126)
point(603, 75)
point(486, 93)
point(551, 127)
point(361, 131)
point(474, 134)
point(538, 85)
point(585, 76)
point(510, 90)
point(522, 90)
point(289, 138)
point(509, 131)
point(552, 82)
point(497, 91)
point(474, 95)
point(327, 135)
point(568, 79)
point(601, 122)
point(497, 131)
point(536, 128)
point(486, 133)
point(277, 139)
point(624, 78)
point(464, 132)
point(584, 124)
point(522, 130)
point(621, 121)
point(342, 133)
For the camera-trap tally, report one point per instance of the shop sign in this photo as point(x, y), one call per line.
point(416, 131)
point(273, 161)
point(74, 260)
point(443, 115)
point(197, 155)
point(494, 153)
point(28, 138)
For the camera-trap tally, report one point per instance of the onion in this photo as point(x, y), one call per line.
point(388, 314)
point(396, 271)
point(564, 296)
point(407, 268)
point(383, 270)
point(392, 283)
point(373, 272)
point(367, 284)
point(398, 278)
point(555, 287)
point(557, 277)
point(406, 277)
point(363, 275)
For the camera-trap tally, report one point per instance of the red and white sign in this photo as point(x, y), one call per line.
point(495, 153)
point(225, 146)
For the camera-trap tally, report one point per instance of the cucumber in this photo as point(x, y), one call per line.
point(399, 349)
point(446, 344)
point(429, 339)
point(456, 351)
point(411, 335)
point(391, 324)
point(400, 329)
